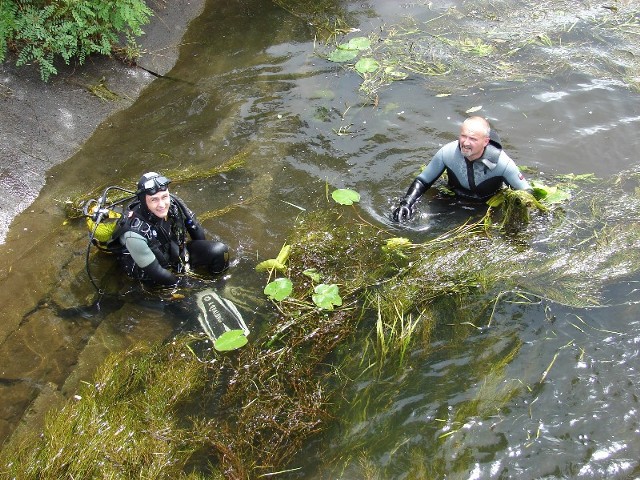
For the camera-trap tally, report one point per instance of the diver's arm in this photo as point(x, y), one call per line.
point(159, 275)
point(144, 257)
point(513, 176)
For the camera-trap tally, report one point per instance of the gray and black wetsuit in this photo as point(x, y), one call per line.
point(477, 180)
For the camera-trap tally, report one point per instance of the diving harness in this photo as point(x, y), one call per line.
point(103, 217)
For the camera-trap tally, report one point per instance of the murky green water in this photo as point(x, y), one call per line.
point(248, 79)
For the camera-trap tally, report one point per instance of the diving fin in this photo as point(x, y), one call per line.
point(218, 315)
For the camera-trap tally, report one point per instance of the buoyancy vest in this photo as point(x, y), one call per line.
point(165, 238)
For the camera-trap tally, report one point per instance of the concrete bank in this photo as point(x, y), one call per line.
point(44, 124)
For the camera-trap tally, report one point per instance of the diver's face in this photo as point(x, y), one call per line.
point(472, 141)
point(158, 204)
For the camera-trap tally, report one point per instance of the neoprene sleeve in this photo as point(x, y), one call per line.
point(138, 248)
point(160, 275)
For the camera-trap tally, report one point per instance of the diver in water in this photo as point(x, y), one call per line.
point(151, 238)
point(476, 167)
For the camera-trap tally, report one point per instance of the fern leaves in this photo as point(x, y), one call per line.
point(40, 31)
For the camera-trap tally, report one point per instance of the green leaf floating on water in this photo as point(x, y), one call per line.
point(359, 43)
point(327, 296)
point(367, 65)
point(549, 194)
point(345, 196)
point(556, 196)
point(231, 340)
point(313, 274)
point(279, 289)
point(349, 51)
point(340, 55)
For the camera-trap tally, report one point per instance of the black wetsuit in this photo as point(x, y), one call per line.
point(154, 249)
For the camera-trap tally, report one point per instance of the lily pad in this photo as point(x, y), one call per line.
point(557, 196)
point(327, 296)
point(279, 289)
point(367, 65)
point(359, 43)
point(313, 274)
point(341, 55)
point(549, 194)
point(231, 340)
point(345, 196)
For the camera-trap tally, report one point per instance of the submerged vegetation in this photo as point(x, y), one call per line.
point(74, 206)
point(328, 17)
point(351, 304)
point(486, 42)
point(184, 410)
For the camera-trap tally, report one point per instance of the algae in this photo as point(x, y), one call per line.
point(183, 410)
point(74, 206)
point(484, 43)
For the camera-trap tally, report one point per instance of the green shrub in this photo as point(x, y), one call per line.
point(40, 31)
point(8, 11)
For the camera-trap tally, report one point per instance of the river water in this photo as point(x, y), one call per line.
point(250, 78)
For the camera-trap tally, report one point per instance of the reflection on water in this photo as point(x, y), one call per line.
point(559, 382)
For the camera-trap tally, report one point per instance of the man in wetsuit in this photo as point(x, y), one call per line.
point(151, 239)
point(476, 167)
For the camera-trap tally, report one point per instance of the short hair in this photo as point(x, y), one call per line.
point(483, 121)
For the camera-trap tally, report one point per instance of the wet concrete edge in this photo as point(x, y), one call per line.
point(44, 124)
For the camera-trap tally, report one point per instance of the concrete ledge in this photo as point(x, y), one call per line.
point(43, 124)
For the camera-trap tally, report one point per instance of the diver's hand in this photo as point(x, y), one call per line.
point(403, 213)
point(159, 275)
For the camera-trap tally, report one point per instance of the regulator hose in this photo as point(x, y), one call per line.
point(97, 215)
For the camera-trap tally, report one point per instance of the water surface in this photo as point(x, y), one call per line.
point(250, 79)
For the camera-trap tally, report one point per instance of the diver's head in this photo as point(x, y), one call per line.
point(153, 193)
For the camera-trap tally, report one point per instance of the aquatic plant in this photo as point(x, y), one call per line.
point(345, 196)
point(394, 330)
point(230, 340)
point(74, 206)
point(278, 263)
point(521, 43)
point(279, 289)
point(328, 17)
point(130, 421)
point(183, 409)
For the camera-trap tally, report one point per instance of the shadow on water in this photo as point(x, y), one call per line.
point(496, 385)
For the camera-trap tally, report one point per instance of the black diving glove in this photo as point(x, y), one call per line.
point(159, 275)
point(404, 211)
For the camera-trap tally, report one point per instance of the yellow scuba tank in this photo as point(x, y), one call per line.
point(103, 230)
point(102, 216)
